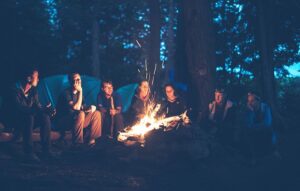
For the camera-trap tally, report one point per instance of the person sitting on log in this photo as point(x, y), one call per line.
point(172, 105)
point(110, 106)
point(140, 103)
point(221, 116)
point(25, 112)
point(73, 113)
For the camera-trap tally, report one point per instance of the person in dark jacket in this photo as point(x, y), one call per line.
point(172, 105)
point(110, 106)
point(26, 113)
point(73, 113)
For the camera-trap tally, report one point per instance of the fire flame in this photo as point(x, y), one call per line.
point(148, 123)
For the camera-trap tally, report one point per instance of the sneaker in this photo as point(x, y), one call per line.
point(92, 143)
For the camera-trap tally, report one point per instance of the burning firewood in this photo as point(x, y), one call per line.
point(148, 123)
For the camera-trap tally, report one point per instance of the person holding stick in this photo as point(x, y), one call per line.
point(110, 106)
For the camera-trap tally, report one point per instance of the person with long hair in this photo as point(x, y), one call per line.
point(139, 103)
point(172, 104)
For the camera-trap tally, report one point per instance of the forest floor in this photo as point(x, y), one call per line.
point(114, 167)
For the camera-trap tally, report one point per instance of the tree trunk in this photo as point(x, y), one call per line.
point(169, 66)
point(199, 47)
point(265, 70)
point(154, 40)
point(95, 50)
point(266, 44)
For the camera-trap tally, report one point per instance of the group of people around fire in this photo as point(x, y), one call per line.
point(23, 112)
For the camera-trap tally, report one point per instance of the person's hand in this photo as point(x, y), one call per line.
point(186, 120)
point(173, 124)
point(113, 112)
point(140, 116)
point(51, 111)
point(48, 105)
point(93, 108)
point(78, 86)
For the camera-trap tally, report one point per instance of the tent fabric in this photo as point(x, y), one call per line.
point(51, 87)
point(126, 93)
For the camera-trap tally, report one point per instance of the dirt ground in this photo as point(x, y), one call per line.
point(112, 166)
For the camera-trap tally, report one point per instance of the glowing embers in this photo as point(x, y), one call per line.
point(138, 132)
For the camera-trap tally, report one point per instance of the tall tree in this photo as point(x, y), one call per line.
point(199, 47)
point(95, 49)
point(266, 45)
point(170, 40)
point(154, 39)
point(266, 34)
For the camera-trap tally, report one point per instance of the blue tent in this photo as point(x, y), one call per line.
point(51, 87)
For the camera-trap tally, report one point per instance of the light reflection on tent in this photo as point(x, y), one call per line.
point(51, 87)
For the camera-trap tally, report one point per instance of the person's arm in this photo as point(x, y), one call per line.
point(68, 99)
point(137, 108)
point(267, 120)
point(211, 110)
point(77, 105)
point(163, 108)
point(118, 103)
point(100, 103)
point(21, 104)
point(36, 102)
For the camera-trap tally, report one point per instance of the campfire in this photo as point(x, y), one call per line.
point(148, 123)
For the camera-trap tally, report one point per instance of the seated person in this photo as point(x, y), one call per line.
point(221, 113)
point(172, 105)
point(257, 129)
point(72, 112)
point(110, 106)
point(140, 103)
point(23, 104)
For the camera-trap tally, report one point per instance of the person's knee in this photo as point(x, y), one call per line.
point(45, 118)
point(26, 119)
point(118, 117)
point(97, 115)
point(81, 116)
